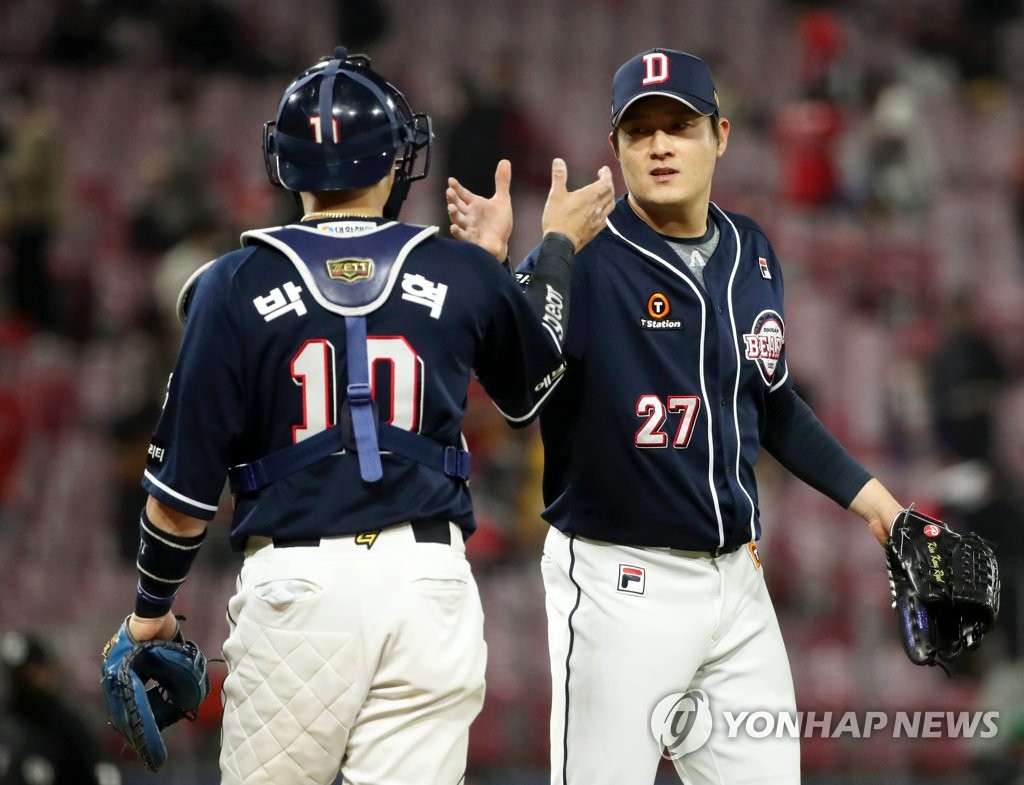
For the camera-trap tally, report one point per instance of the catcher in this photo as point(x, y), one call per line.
point(323, 371)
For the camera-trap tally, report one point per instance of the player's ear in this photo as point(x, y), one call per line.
point(722, 135)
point(613, 140)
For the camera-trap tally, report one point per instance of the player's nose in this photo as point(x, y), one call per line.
point(661, 144)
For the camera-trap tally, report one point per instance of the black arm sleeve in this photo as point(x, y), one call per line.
point(796, 438)
point(547, 289)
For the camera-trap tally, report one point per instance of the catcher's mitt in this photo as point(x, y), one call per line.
point(178, 669)
point(945, 588)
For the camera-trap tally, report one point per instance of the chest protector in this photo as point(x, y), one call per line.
point(352, 276)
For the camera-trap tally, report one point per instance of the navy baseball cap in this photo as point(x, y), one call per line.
point(668, 72)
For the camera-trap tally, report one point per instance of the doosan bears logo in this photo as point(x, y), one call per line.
point(763, 344)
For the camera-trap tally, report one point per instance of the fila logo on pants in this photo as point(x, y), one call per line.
point(632, 580)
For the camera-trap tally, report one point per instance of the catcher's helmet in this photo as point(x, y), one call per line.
point(372, 128)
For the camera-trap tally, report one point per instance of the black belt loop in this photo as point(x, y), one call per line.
point(432, 530)
point(309, 542)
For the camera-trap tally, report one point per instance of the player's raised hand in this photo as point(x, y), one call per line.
point(481, 221)
point(579, 214)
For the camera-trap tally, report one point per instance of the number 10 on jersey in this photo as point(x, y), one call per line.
point(400, 404)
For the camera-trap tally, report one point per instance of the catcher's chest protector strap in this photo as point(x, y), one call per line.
point(350, 275)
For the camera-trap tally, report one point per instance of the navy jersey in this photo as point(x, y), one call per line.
point(262, 365)
point(679, 380)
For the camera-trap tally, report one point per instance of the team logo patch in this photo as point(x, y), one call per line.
point(350, 270)
point(658, 309)
point(763, 344)
point(367, 539)
point(632, 580)
point(656, 68)
point(763, 264)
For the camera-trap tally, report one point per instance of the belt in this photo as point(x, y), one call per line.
point(713, 553)
point(724, 550)
point(423, 530)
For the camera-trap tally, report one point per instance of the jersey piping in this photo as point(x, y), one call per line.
point(170, 491)
point(736, 385)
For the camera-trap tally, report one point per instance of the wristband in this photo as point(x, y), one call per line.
point(163, 562)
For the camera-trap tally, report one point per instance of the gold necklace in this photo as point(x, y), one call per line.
point(329, 214)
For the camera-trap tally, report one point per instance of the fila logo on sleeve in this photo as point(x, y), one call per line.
point(632, 580)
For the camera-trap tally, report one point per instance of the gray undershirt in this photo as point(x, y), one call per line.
point(696, 251)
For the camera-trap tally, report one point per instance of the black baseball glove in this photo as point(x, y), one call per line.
point(945, 588)
point(177, 669)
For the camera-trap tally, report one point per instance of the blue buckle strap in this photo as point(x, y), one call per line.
point(456, 463)
point(250, 477)
point(358, 394)
point(364, 417)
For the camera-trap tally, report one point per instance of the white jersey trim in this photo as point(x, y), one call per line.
point(781, 381)
point(703, 384)
point(179, 305)
point(536, 407)
point(739, 366)
point(171, 492)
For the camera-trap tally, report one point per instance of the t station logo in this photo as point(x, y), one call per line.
point(656, 318)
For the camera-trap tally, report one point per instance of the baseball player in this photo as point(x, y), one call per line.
point(677, 378)
point(324, 369)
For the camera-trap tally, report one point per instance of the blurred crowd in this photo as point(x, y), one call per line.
point(885, 158)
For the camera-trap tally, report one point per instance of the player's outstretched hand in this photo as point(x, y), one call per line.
point(579, 214)
point(481, 221)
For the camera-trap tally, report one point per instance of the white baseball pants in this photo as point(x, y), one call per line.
point(367, 660)
point(629, 626)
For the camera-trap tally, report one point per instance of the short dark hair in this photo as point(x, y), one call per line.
point(715, 119)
